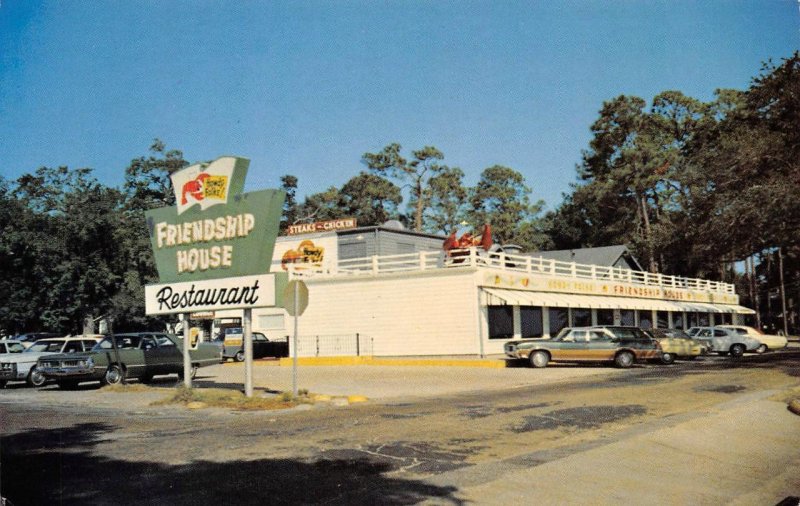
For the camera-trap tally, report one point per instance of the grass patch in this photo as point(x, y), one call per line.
point(233, 399)
point(128, 387)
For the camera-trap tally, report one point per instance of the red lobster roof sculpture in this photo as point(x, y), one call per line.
point(467, 240)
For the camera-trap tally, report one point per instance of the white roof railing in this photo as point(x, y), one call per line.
point(475, 258)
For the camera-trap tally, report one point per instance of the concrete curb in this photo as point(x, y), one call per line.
point(404, 362)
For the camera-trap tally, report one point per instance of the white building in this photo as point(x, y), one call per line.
point(385, 291)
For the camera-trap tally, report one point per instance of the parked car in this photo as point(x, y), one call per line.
point(724, 340)
point(31, 337)
point(768, 341)
point(232, 344)
point(23, 366)
point(8, 346)
point(620, 345)
point(676, 344)
point(142, 355)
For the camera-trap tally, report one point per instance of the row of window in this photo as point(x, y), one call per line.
point(532, 319)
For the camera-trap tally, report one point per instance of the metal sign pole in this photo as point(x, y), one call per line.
point(187, 360)
point(247, 330)
point(294, 340)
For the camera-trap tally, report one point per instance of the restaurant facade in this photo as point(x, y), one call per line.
point(387, 291)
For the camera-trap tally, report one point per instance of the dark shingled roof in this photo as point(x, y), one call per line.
point(608, 256)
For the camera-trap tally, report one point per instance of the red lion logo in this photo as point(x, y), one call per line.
point(194, 188)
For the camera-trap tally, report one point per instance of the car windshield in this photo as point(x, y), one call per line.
point(45, 346)
point(164, 341)
point(563, 333)
point(628, 333)
point(123, 342)
point(12, 348)
point(677, 333)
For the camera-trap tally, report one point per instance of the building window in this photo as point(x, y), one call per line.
point(693, 319)
point(558, 319)
point(723, 318)
point(581, 317)
point(646, 319)
point(501, 322)
point(627, 317)
point(662, 319)
point(677, 320)
point(530, 319)
point(605, 317)
point(703, 319)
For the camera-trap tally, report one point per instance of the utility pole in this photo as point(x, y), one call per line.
point(783, 292)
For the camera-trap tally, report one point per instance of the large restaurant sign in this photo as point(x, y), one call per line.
point(213, 249)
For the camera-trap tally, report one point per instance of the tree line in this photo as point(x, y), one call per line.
point(700, 189)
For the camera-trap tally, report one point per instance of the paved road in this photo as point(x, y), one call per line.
point(709, 432)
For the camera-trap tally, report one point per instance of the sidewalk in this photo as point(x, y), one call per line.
point(743, 452)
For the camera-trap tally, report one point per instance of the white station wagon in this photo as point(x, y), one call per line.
point(22, 366)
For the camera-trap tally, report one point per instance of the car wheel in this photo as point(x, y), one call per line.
point(624, 359)
point(36, 378)
point(667, 358)
point(737, 350)
point(539, 359)
point(113, 376)
point(239, 357)
point(761, 349)
point(192, 372)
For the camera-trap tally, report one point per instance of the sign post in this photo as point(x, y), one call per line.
point(295, 298)
point(247, 330)
point(187, 360)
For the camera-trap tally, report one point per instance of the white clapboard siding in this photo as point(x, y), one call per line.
point(424, 314)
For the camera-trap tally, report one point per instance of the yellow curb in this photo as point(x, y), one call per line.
point(274, 363)
point(356, 398)
point(413, 362)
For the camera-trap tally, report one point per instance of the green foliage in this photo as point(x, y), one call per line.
point(502, 200)
point(416, 173)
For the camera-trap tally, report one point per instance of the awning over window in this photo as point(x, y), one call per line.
point(501, 296)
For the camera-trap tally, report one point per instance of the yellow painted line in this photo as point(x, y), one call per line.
point(414, 362)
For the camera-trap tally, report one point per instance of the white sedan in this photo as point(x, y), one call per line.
point(22, 366)
point(768, 341)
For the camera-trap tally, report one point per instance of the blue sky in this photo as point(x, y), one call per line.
point(307, 87)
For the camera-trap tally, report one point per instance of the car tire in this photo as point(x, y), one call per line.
point(667, 358)
point(239, 357)
point(737, 350)
point(192, 372)
point(539, 359)
point(761, 349)
point(114, 375)
point(35, 377)
point(624, 359)
point(2, 383)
